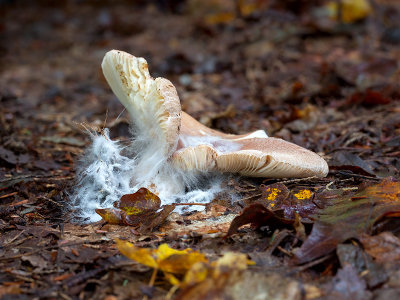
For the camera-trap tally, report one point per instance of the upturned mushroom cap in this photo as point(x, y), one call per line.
point(254, 154)
point(153, 104)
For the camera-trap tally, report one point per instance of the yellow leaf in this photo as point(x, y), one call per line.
point(235, 261)
point(172, 279)
point(164, 258)
point(229, 263)
point(144, 256)
point(164, 251)
point(181, 263)
point(351, 10)
point(197, 273)
point(110, 215)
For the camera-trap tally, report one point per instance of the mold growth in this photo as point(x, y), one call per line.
point(109, 170)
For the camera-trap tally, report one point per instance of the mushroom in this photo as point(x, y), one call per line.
point(186, 144)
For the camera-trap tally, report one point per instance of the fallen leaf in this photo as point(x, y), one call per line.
point(137, 210)
point(111, 215)
point(164, 258)
point(243, 284)
point(277, 205)
point(13, 289)
point(256, 214)
point(384, 247)
point(369, 97)
point(350, 10)
point(349, 216)
point(228, 265)
point(348, 285)
point(138, 203)
point(12, 158)
point(344, 160)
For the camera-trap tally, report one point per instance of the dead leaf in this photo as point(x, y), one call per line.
point(384, 247)
point(138, 203)
point(348, 285)
point(137, 210)
point(13, 289)
point(344, 160)
point(243, 284)
point(111, 215)
point(164, 258)
point(350, 10)
point(348, 217)
point(256, 214)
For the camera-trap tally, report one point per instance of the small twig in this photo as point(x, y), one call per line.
point(309, 265)
point(328, 186)
point(41, 249)
point(298, 179)
point(283, 250)
point(249, 198)
point(151, 282)
point(202, 204)
point(105, 120)
point(51, 200)
point(14, 238)
point(171, 292)
point(8, 195)
point(120, 114)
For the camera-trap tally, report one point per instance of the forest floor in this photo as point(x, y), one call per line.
point(331, 87)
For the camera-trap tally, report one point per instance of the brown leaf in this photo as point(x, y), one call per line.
point(348, 285)
point(255, 214)
point(344, 160)
point(277, 197)
point(384, 247)
point(138, 209)
point(141, 201)
point(348, 217)
point(158, 219)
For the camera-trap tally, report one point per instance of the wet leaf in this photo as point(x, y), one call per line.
point(277, 197)
point(13, 289)
point(349, 216)
point(277, 205)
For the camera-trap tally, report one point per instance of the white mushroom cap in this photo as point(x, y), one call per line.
point(153, 104)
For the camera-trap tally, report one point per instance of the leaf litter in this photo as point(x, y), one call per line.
point(327, 84)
